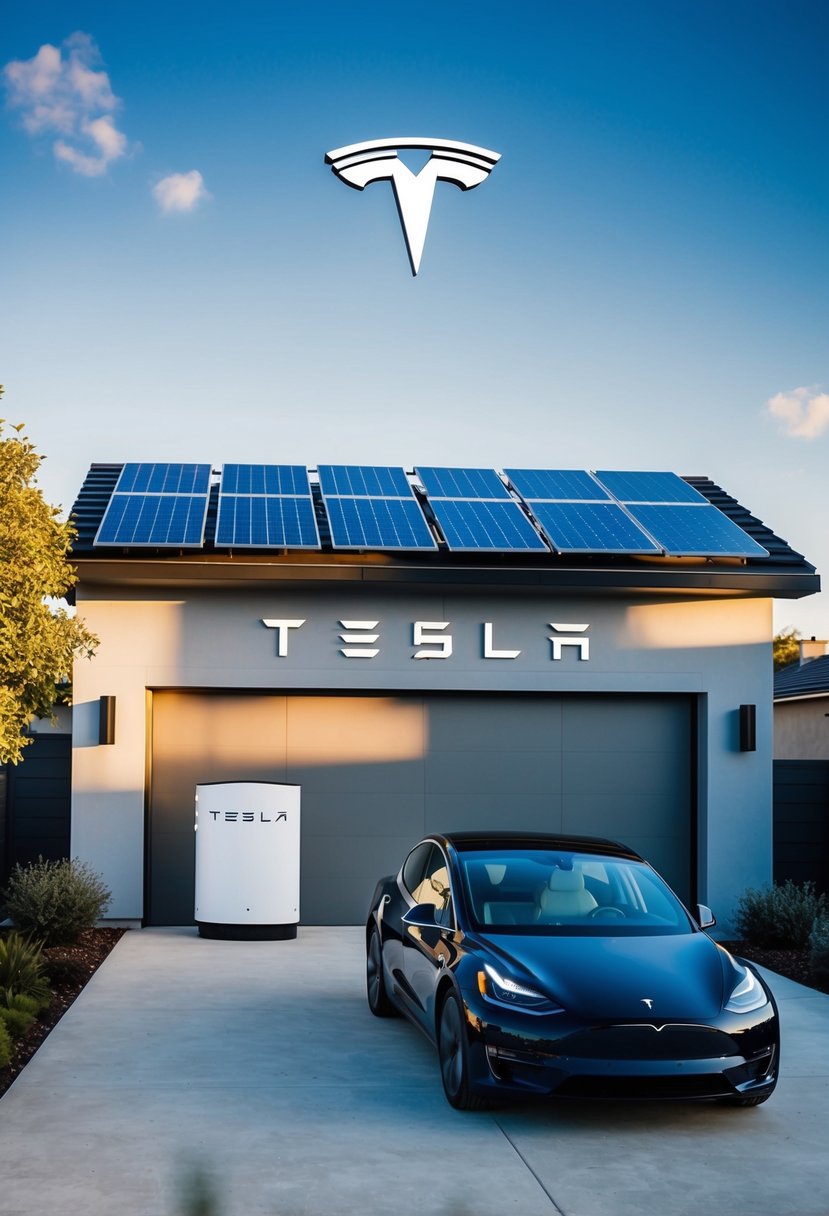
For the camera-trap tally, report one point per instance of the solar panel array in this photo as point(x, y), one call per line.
point(476, 513)
point(374, 507)
point(158, 505)
point(577, 514)
point(678, 517)
point(266, 506)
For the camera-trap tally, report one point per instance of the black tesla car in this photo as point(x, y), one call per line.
point(564, 965)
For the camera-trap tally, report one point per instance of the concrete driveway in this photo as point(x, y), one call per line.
point(258, 1066)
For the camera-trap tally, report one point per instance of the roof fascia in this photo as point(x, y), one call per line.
point(193, 572)
point(802, 696)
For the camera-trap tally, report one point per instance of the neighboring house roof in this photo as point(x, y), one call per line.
point(802, 680)
point(784, 573)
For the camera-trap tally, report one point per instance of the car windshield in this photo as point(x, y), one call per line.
point(540, 891)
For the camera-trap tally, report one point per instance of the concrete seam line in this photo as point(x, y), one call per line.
point(521, 1156)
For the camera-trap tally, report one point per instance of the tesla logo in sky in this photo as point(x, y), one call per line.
point(646, 1000)
point(464, 165)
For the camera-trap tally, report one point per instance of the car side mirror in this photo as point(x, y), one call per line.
point(706, 917)
point(422, 916)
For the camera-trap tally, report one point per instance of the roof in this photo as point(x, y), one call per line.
point(799, 681)
point(784, 573)
point(479, 841)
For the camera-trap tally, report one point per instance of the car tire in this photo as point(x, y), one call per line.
point(378, 998)
point(453, 1054)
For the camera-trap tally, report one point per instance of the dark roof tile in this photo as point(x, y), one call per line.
point(802, 679)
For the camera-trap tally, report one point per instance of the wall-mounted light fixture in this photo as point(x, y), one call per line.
point(106, 720)
point(748, 728)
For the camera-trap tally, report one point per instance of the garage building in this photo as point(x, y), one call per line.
point(436, 650)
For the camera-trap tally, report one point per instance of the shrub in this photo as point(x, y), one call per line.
point(56, 900)
point(17, 1016)
point(779, 916)
point(21, 971)
point(65, 971)
point(819, 951)
point(5, 1046)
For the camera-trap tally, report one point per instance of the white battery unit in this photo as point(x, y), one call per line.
point(247, 860)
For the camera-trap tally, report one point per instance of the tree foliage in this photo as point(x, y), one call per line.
point(38, 643)
point(786, 647)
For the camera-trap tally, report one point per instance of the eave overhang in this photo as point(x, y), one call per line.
point(727, 579)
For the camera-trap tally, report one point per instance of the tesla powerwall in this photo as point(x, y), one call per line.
point(247, 859)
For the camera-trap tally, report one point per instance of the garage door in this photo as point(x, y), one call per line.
point(378, 772)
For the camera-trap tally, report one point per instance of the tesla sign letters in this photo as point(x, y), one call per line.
point(431, 639)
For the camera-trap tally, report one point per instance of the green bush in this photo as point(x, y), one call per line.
point(21, 971)
point(65, 971)
point(5, 1046)
point(17, 1016)
point(56, 900)
point(779, 916)
point(17, 1000)
point(819, 951)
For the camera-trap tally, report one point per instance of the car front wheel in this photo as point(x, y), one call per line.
point(378, 998)
point(453, 1053)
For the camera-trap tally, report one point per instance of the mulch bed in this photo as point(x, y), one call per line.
point(72, 968)
point(794, 964)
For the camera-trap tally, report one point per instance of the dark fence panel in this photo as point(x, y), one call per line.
point(38, 802)
point(801, 821)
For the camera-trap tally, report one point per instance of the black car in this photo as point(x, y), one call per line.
point(564, 965)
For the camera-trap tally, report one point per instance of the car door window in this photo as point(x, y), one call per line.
point(434, 889)
point(414, 867)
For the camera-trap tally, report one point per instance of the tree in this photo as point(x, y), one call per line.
point(38, 642)
point(786, 647)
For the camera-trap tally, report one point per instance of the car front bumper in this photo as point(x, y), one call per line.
point(737, 1055)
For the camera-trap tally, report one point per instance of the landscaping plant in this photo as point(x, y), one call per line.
point(18, 1014)
point(819, 951)
point(5, 1046)
point(56, 900)
point(22, 971)
point(780, 916)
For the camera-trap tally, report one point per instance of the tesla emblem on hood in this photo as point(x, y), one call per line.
point(646, 1000)
point(465, 165)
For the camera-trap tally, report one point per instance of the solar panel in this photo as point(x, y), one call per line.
point(629, 487)
point(378, 523)
point(461, 483)
point(363, 481)
point(264, 479)
point(373, 507)
point(158, 505)
point(556, 485)
point(687, 530)
point(259, 521)
point(473, 525)
point(164, 479)
point(266, 506)
point(591, 527)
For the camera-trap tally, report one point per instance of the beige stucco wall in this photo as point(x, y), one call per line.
point(801, 729)
point(718, 650)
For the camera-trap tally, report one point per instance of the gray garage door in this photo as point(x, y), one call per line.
point(377, 772)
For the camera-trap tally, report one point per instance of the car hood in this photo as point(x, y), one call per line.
point(615, 977)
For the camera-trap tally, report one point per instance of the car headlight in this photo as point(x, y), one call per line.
point(503, 991)
point(748, 993)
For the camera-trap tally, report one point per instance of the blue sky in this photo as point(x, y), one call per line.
point(642, 282)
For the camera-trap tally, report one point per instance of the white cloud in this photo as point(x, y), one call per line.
point(61, 91)
point(180, 191)
point(803, 412)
